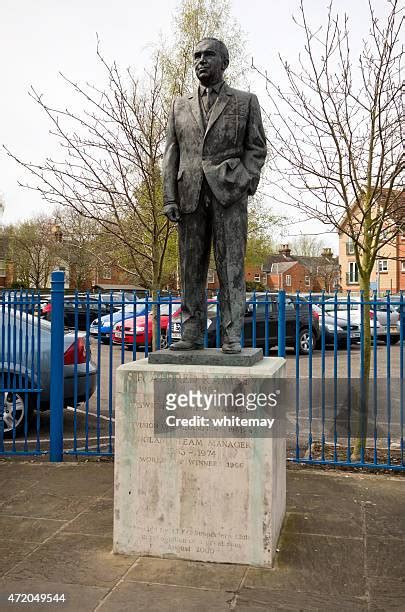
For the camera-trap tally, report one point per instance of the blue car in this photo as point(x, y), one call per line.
point(105, 324)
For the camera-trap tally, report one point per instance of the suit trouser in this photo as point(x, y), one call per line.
point(227, 229)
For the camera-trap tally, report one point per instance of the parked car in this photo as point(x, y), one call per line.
point(341, 306)
point(81, 308)
point(25, 343)
point(102, 328)
point(381, 307)
point(328, 324)
point(262, 310)
point(23, 300)
point(116, 297)
point(126, 336)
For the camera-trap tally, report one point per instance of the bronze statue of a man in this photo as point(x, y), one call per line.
point(214, 153)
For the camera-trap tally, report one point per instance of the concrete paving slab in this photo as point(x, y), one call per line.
point(330, 495)
point(387, 594)
point(74, 559)
point(377, 523)
point(27, 529)
point(385, 558)
point(47, 504)
point(139, 597)
point(323, 524)
point(314, 563)
point(94, 521)
point(80, 479)
point(15, 484)
point(77, 597)
point(290, 599)
point(211, 576)
point(13, 551)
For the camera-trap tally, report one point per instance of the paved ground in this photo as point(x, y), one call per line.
point(342, 548)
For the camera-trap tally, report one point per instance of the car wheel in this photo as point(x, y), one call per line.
point(16, 407)
point(393, 339)
point(304, 342)
point(163, 340)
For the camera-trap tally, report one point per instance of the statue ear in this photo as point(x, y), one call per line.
point(225, 64)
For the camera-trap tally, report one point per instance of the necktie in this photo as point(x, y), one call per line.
point(210, 98)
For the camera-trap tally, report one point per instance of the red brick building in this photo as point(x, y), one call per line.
point(292, 273)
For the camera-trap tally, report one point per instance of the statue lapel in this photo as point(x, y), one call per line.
point(196, 111)
point(220, 104)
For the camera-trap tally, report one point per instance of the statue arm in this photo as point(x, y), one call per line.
point(255, 144)
point(171, 159)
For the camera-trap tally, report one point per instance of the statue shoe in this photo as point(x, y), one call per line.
point(231, 347)
point(186, 345)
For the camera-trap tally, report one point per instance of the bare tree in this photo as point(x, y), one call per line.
point(111, 170)
point(328, 273)
point(81, 247)
point(335, 128)
point(309, 246)
point(33, 249)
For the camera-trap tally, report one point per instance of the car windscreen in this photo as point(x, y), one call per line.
point(341, 306)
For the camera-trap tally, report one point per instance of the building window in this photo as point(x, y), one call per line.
point(288, 280)
point(210, 277)
point(350, 247)
point(307, 281)
point(353, 273)
point(403, 266)
point(383, 265)
point(107, 272)
point(257, 278)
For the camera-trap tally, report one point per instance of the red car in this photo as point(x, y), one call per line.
point(141, 328)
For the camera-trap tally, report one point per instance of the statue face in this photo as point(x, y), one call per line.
point(209, 64)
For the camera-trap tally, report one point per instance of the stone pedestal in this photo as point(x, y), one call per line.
point(219, 499)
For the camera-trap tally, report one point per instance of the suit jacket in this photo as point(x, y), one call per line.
point(230, 152)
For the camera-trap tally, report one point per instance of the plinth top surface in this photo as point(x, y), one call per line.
point(207, 357)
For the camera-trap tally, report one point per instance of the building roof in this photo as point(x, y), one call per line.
point(282, 266)
point(290, 260)
point(276, 258)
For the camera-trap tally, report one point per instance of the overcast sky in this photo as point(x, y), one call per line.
point(40, 38)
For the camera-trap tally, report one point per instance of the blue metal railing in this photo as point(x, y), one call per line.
point(69, 363)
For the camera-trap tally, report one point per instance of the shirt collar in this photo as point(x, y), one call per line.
point(217, 87)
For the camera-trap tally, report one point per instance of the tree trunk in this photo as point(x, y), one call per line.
point(363, 400)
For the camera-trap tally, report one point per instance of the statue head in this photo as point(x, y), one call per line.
point(211, 58)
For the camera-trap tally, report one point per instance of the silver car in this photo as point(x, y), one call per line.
point(341, 305)
point(25, 369)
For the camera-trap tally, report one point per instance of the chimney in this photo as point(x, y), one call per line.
point(285, 250)
point(327, 252)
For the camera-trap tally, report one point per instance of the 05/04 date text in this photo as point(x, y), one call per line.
point(22, 598)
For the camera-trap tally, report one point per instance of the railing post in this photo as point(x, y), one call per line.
point(281, 323)
point(57, 352)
